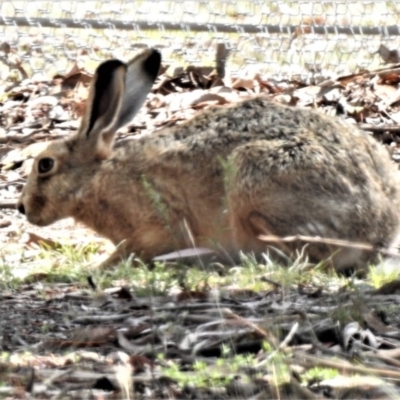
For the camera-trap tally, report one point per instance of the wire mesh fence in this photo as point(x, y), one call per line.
point(284, 37)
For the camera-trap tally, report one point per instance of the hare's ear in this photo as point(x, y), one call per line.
point(141, 73)
point(117, 93)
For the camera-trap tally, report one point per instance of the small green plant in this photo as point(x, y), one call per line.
point(242, 361)
point(200, 366)
point(7, 278)
point(225, 351)
point(279, 368)
point(204, 375)
point(379, 275)
point(266, 346)
point(158, 280)
point(320, 374)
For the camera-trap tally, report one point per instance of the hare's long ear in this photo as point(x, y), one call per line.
point(116, 95)
point(141, 73)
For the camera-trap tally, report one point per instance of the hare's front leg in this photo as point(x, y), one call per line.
point(121, 253)
point(153, 239)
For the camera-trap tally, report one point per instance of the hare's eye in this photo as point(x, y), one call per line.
point(45, 165)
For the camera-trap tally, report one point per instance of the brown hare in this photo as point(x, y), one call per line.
point(219, 180)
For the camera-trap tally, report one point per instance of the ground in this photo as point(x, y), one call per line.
point(253, 330)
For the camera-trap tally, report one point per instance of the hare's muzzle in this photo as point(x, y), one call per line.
point(37, 211)
point(20, 207)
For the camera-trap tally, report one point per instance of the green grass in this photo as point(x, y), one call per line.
point(67, 263)
point(378, 276)
point(73, 263)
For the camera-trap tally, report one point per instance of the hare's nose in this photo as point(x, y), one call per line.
point(21, 208)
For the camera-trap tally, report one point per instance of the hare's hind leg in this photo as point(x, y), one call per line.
point(298, 187)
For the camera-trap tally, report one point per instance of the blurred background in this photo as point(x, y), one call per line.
point(287, 39)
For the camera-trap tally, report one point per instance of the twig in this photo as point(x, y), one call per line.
point(282, 345)
point(379, 128)
point(12, 204)
point(380, 71)
point(328, 241)
point(262, 332)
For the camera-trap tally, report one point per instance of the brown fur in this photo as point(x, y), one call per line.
point(223, 178)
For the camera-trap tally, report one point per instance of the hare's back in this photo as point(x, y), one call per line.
point(218, 133)
point(220, 130)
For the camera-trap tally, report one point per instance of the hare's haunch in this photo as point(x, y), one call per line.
point(219, 180)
